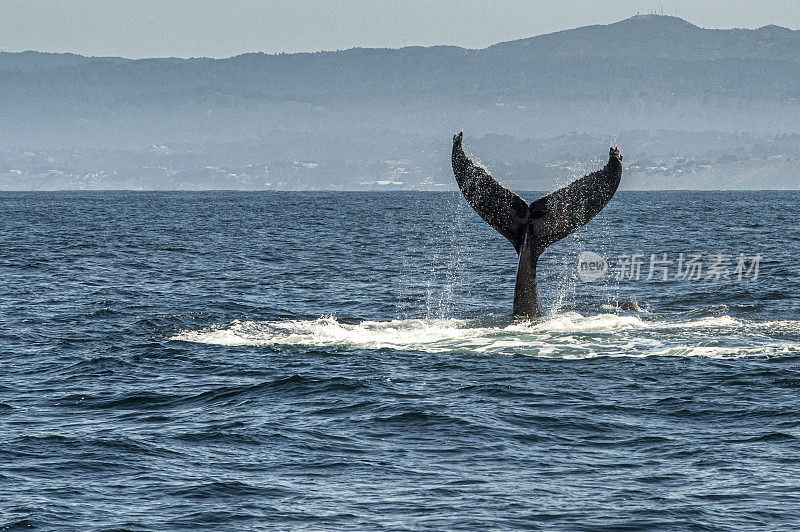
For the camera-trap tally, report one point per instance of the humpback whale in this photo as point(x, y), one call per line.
point(532, 228)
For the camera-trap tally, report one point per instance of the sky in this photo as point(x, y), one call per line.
point(223, 28)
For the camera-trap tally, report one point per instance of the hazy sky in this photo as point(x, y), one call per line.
point(221, 28)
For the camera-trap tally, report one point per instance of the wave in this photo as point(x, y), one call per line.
point(568, 335)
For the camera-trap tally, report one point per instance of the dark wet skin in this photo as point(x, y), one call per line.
point(532, 228)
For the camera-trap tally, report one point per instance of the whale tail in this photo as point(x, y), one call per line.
point(532, 228)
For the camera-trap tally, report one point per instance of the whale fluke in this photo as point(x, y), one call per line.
point(531, 229)
point(498, 206)
point(568, 209)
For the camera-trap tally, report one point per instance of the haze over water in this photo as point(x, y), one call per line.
point(314, 360)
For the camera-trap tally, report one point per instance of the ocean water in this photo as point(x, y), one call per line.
point(237, 361)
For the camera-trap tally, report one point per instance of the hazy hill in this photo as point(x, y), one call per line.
point(661, 36)
point(353, 107)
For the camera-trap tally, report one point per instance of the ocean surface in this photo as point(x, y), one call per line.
point(235, 361)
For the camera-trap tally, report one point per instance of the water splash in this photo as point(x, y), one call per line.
point(569, 335)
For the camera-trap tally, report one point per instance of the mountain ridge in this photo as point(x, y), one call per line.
point(349, 112)
point(648, 21)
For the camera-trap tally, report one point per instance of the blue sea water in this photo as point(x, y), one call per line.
point(239, 361)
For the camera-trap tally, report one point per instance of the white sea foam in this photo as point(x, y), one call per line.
point(568, 335)
point(728, 351)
